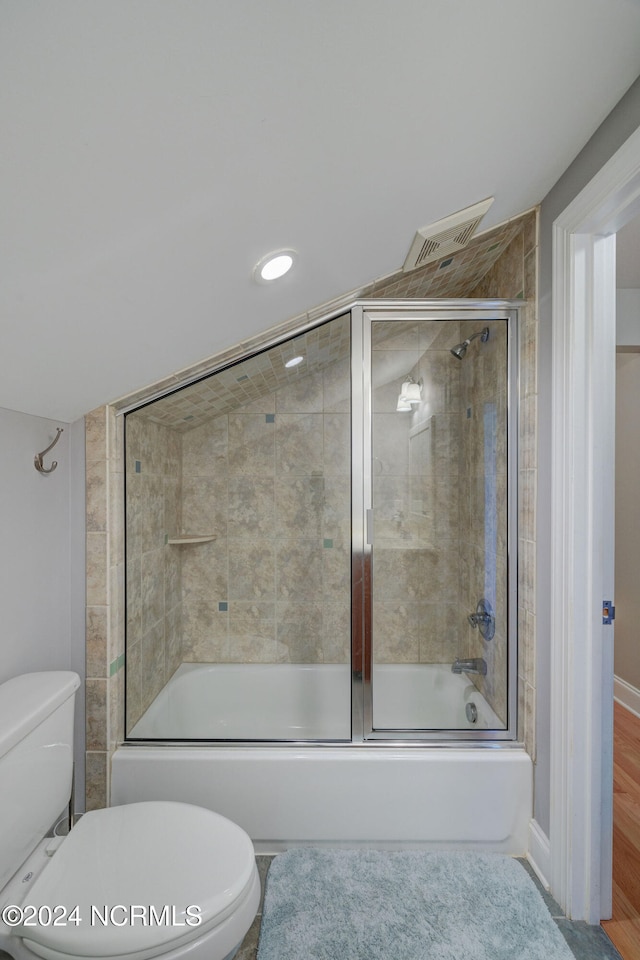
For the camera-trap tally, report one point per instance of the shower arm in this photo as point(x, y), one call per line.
point(483, 334)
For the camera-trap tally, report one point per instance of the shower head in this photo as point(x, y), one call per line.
point(460, 350)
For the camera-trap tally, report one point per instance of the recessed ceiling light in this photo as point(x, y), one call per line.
point(273, 266)
point(294, 361)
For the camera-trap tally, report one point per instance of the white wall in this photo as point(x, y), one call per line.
point(628, 318)
point(42, 552)
point(627, 572)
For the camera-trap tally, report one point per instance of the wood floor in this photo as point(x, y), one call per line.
point(624, 927)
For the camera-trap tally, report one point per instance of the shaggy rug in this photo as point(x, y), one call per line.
point(375, 905)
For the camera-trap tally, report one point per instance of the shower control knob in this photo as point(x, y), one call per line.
point(483, 619)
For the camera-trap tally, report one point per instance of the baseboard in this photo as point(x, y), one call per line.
point(539, 853)
point(626, 695)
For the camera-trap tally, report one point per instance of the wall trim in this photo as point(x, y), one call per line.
point(539, 853)
point(583, 406)
point(626, 695)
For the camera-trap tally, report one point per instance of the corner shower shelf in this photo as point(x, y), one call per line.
point(192, 538)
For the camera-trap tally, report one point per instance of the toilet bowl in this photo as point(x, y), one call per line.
point(133, 882)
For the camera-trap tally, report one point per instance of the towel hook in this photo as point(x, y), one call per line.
point(37, 460)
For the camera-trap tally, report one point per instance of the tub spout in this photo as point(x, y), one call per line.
point(476, 665)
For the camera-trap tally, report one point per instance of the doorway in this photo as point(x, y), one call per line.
point(582, 533)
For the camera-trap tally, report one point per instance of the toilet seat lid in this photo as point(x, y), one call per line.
point(155, 853)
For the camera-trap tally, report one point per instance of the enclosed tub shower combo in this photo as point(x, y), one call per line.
point(321, 602)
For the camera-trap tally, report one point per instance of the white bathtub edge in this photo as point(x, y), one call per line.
point(432, 797)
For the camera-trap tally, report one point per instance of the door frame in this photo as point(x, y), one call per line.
point(582, 498)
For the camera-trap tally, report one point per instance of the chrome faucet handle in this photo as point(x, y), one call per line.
point(483, 619)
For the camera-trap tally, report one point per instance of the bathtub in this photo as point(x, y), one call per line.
point(234, 701)
point(375, 794)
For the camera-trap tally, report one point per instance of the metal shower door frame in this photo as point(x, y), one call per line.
point(363, 315)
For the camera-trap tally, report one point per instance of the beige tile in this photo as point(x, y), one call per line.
point(299, 507)
point(96, 561)
point(299, 444)
point(527, 646)
point(174, 647)
point(526, 574)
point(134, 708)
point(528, 358)
point(336, 516)
point(116, 611)
point(205, 570)
point(152, 661)
point(252, 569)
point(95, 424)
point(528, 419)
point(337, 387)
point(97, 663)
point(116, 711)
point(530, 240)
point(253, 643)
point(299, 630)
point(96, 780)
point(204, 505)
point(395, 335)
point(251, 507)
point(205, 449)
point(336, 445)
point(96, 495)
point(396, 632)
point(134, 599)
point(527, 499)
point(390, 445)
point(336, 631)
point(96, 713)
point(299, 566)
point(441, 625)
point(251, 445)
point(530, 274)
point(302, 395)
point(336, 570)
point(205, 631)
point(152, 588)
point(529, 721)
point(173, 575)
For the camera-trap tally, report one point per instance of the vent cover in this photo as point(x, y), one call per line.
point(446, 236)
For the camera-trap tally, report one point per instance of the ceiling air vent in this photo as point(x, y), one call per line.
point(446, 236)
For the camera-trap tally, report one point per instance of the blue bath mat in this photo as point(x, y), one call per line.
point(375, 905)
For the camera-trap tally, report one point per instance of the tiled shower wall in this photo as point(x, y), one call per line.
point(272, 481)
point(483, 449)
point(154, 569)
point(104, 598)
point(513, 274)
point(441, 513)
point(416, 575)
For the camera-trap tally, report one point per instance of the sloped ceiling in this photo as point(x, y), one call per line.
point(154, 150)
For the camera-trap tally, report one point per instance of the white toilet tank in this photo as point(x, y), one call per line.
point(36, 760)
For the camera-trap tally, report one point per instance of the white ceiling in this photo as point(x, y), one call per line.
point(154, 150)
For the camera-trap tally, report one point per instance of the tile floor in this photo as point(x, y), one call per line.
point(586, 942)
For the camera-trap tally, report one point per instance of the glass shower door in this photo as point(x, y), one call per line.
point(437, 528)
point(238, 522)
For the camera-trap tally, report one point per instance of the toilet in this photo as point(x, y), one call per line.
point(132, 882)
